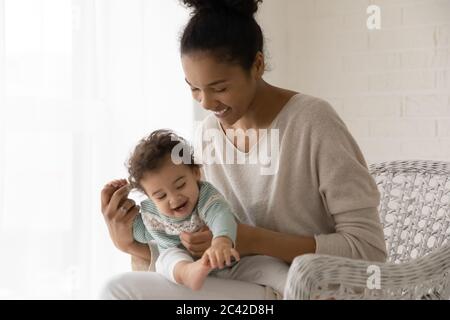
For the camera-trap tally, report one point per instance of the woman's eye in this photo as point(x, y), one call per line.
point(220, 90)
point(194, 89)
point(181, 186)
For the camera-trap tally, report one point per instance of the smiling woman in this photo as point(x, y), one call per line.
point(321, 199)
point(222, 91)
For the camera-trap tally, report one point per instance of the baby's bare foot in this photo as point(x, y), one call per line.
point(194, 274)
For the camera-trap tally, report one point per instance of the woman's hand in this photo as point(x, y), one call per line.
point(197, 242)
point(119, 213)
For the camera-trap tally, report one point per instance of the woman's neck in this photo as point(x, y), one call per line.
point(266, 105)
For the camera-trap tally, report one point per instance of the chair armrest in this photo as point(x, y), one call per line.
point(314, 276)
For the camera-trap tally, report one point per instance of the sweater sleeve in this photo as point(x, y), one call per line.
point(215, 210)
point(348, 191)
point(220, 219)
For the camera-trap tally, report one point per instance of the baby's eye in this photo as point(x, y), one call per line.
point(220, 90)
point(181, 186)
point(161, 197)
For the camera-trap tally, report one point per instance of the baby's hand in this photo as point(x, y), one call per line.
point(220, 253)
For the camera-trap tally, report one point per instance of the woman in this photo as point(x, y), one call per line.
point(321, 197)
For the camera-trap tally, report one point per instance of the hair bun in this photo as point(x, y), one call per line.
point(244, 7)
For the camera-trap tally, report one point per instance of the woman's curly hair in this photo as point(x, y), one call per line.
point(151, 152)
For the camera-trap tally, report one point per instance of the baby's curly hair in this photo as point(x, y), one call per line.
point(150, 153)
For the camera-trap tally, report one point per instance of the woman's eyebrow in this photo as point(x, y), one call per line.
point(209, 84)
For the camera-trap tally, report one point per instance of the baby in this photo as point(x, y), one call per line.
point(178, 201)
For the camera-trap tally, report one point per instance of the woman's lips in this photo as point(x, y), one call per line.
point(222, 113)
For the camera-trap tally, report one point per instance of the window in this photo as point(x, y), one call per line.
point(83, 81)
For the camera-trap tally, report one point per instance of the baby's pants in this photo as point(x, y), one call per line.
point(167, 260)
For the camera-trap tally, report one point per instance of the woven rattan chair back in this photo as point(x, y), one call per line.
point(414, 206)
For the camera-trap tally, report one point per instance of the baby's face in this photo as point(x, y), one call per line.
point(173, 188)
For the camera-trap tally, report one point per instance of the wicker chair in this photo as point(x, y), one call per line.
point(415, 212)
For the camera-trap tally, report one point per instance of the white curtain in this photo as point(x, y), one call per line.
point(81, 81)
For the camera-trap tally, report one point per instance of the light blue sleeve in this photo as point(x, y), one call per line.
point(220, 220)
point(140, 232)
point(217, 213)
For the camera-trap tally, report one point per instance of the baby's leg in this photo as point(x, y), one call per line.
point(192, 274)
point(263, 270)
point(178, 266)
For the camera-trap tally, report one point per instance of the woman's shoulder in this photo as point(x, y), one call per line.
point(307, 109)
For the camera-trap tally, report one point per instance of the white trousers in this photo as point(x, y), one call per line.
point(254, 277)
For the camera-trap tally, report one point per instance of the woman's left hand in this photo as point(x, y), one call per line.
point(197, 242)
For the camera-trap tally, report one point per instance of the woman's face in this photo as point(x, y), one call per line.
point(225, 89)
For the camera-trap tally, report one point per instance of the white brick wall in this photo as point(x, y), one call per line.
point(391, 86)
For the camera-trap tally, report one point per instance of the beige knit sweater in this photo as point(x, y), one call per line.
point(322, 187)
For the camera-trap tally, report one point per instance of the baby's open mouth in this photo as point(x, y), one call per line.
point(181, 207)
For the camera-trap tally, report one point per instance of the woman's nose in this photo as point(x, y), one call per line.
point(207, 102)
